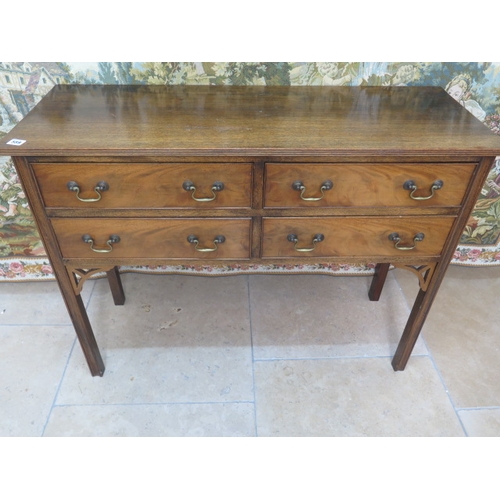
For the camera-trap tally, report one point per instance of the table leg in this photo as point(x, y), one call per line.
point(115, 284)
point(378, 281)
point(81, 323)
point(65, 278)
point(429, 287)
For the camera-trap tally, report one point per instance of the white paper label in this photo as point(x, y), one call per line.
point(16, 142)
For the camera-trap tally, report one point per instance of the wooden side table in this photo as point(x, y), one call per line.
point(150, 175)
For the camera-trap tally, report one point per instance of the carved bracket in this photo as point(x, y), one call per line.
point(424, 272)
point(79, 276)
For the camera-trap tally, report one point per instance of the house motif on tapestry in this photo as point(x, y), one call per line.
point(22, 85)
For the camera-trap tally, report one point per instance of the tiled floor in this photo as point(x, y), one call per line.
point(253, 356)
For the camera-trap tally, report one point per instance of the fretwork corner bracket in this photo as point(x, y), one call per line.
point(79, 276)
point(423, 272)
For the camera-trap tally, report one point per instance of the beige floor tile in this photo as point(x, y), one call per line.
point(352, 397)
point(177, 420)
point(35, 303)
point(176, 339)
point(186, 341)
point(461, 333)
point(32, 364)
point(325, 316)
point(481, 422)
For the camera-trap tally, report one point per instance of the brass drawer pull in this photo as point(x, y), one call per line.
point(217, 240)
point(299, 186)
point(396, 238)
point(411, 186)
point(294, 239)
point(100, 187)
point(114, 238)
point(216, 186)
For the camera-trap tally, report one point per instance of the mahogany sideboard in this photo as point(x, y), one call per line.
point(151, 175)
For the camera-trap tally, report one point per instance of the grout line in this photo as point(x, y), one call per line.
point(478, 408)
point(320, 358)
point(434, 364)
point(54, 405)
point(158, 403)
point(253, 358)
point(90, 295)
point(448, 393)
point(36, 324)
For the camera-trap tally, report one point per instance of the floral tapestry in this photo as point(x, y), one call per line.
point(476, 86)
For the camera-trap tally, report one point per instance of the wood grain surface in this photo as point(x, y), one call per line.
point(366, 185)
point(356, 237)
point(92, 120)
point(145, 185)
point(155, 238)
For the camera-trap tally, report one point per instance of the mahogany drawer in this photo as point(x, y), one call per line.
point(145, 185)
point(365, 185)
point(154, 238)
point(354, 236)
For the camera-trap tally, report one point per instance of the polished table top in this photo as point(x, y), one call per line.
point(253, 120)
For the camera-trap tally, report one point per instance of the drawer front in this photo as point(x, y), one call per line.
point(154, 238)
point(365, 185)
point(146, 185)
point(354, 236)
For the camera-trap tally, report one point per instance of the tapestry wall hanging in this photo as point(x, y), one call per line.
point(476, 86)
